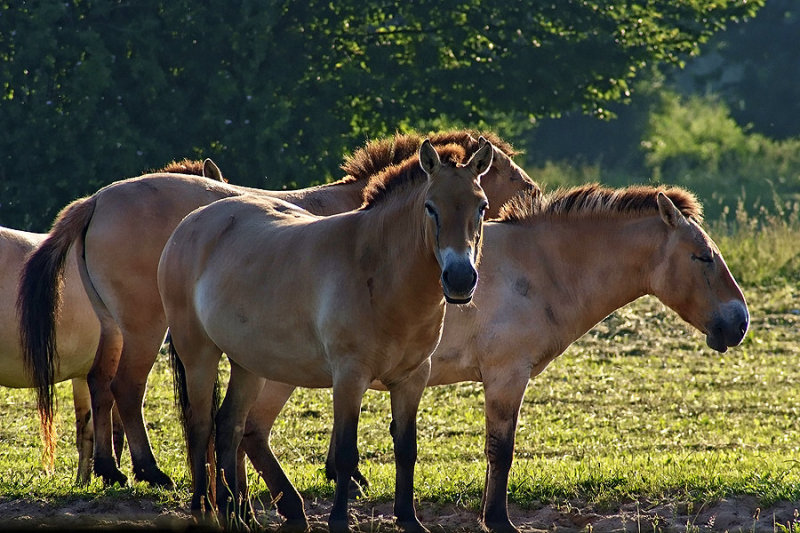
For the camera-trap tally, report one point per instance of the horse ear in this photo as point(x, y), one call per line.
point(482, 159)
point(428, 158)
point(670, 214)
point(212, 171)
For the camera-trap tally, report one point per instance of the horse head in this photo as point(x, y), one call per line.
point(504, 180)
point(455, 205)
point(693, 279)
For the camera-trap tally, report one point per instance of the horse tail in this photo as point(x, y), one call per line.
point(181, 392)
point(178, 385)
point(38, 305)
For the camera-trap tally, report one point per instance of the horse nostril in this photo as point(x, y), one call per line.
point(474, 278)
point(444, 277)
point(743, 328)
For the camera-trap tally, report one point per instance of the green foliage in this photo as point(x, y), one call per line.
point(694, 142)
point(764, 248)
point(753, 67)
point(278, 91)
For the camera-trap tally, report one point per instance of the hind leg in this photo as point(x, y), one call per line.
point(256, 444)
point(243, 389)
point(129, 385)
point(99, 380)
point(84, 431)
point(117, 434)
point(198, 382)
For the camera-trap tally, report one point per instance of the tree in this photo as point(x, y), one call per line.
point(278, 91)
point(754, 67)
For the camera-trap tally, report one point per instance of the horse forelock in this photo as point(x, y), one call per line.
point(598, 201)
point(377, 155)
point(184, 166)
point(407, 174)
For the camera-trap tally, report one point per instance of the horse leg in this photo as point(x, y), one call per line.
point(358, 482)
point(117, 433)
point(256, 444)
point(99, 380)
point(502, 404)
point(405, 397)
point(243, 389)
point(129, 386)
point(349, 387)
point(198, 384)
point(84, 431)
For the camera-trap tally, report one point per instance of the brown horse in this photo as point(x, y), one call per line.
point(78, 333)
point(120, 232)
point(76, 340)
point(552, 267)
point(322, 302)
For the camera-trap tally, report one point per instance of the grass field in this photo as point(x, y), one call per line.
point(638, 409)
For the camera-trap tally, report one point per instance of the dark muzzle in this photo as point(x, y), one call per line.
point(458, 282)
point(728, 328)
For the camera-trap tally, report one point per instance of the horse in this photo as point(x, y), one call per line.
point(76, 340)
point(552, 267)
point(120, 232)
point(362, 299)
point(78, 333)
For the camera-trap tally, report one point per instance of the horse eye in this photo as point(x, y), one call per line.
point(429, 210)
point(703, 258)
point(483, 208)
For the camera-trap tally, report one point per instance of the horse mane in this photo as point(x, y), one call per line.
point(596, 200)
point(407, 173)
point(184, 166)
point(379, 154)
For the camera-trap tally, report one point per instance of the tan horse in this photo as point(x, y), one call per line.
point(77, 338)
point(121, 231)
point(78, 332)
point(552, 268)
point(322, 302)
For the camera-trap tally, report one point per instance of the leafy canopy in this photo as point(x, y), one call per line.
point(278, 91)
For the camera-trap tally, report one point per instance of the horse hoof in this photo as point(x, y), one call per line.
point(355, 490)
point(501, 527)
point(112, 478)
point(155, 478)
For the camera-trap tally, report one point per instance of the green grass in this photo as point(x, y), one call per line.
point(639, 408)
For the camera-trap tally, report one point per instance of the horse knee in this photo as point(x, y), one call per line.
point(346, 457)
point(405, 444)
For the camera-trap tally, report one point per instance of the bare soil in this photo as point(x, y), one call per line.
point(738, 514)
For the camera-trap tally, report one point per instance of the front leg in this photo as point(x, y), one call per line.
point(504, 389)
point(84, 431)
point(405, 398)
point(349, 386)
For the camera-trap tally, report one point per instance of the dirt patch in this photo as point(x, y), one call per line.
point(731, 514)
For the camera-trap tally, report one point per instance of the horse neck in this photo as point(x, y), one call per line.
point(591, 267)
point(393, 249)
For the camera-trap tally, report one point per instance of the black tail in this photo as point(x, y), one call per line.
point(180, 392)
point(38, 305)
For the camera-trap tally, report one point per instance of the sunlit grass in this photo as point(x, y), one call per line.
point(639, 408)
